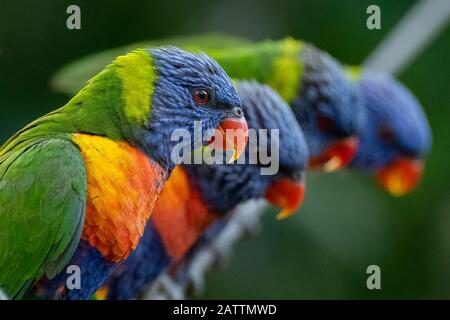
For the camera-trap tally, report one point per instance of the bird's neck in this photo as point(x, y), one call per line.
point(116, 101)
point(114, 104)
point(223, 187)
point(275, 63)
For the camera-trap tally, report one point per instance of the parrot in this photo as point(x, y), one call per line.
point(271, 62)
point(396, 138)
point(394, 142)
point(393, 145)
point(78, 185)
point(388, 117)
point(322, 94)
point(196, 196)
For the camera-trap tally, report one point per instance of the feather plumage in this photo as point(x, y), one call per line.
point(93, 157)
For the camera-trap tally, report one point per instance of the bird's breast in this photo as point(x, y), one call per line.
point(123, 185)
point(181, 214)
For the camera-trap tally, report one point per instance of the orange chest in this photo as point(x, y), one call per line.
point(180, 215)
point(123, 185)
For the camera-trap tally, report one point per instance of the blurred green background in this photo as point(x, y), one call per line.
point(347, 222)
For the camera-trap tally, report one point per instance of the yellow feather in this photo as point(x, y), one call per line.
point(138, 78)
point(287, 70)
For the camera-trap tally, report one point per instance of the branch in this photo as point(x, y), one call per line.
point(421, 24)
point(243, 221)
point(3, 296)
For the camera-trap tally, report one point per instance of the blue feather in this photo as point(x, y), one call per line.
point(222, 186)
point(390, 106)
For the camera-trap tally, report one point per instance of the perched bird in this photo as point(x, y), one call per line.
point(322, 95)
point(196, 196)
point(78, 185)
point(393, 145)
point(317, 87)
point(394, 141)
point(396, 137)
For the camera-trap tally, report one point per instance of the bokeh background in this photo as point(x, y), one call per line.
point(347, 222)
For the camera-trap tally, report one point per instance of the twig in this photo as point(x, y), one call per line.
point(244, 220)
point(164, 288)
point(411, 35)
point(3, 296)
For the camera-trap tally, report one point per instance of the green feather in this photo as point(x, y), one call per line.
point(43, 180)
point(111, 103)
point(42, 206)
point(72, 77)
point(276, 63)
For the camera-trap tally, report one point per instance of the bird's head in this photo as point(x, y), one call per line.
point(328, 109)
point(226, 186)
point(396, 137)
point(188, 89)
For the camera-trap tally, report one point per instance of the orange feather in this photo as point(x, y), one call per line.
point(180, 215)
point(123, 185)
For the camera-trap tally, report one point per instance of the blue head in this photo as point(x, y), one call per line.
point(328, 110)
point(189, 88)
point(396, 135)
point(225, 186)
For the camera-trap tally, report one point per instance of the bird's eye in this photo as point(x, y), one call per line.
point(385, 133)
point(325, 123)
point(201, 96)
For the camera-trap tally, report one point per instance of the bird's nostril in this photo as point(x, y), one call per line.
point(238, 112)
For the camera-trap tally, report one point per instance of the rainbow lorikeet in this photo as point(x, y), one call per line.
point(394, 132)
point(393, 145)
point(383, 148)
point(197, 196)
point(78, 185)
point(317, 87)
point(325, 104)
point(394, 140)
point(396, 135)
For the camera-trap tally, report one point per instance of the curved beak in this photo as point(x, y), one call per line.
point(286, 194)
point(401, 176)
point(231, 134)
point(337, 156)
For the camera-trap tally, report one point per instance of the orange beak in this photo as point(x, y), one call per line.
point(336, 156)
point(401, 176)
point(232, 134)
point(286, 194)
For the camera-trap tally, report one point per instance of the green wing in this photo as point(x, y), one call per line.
point(42, 206)
point(72, 77)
